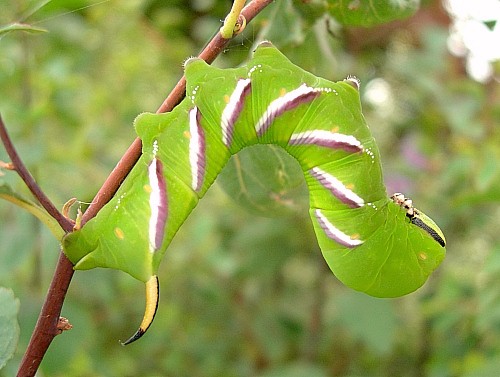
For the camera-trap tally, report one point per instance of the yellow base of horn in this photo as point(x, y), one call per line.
point(152, 298)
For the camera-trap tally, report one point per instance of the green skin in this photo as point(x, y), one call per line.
point(396, 256)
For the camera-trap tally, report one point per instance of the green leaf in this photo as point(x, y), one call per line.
point(490, 24)
point(368, 13)
point(266, 181)
point(21, 27)
point(37, 211)
point(9, 328)
point(285, 26)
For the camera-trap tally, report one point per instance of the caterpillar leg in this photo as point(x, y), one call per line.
point(152, 297)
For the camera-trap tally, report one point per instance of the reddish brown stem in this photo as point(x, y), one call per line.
point(30, 182)
point(46, 327)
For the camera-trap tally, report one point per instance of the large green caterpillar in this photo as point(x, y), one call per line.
point(375, 244)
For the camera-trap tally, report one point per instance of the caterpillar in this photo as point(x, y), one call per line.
point(373, 243)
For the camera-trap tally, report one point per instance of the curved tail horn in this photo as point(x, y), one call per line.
point(152, 297)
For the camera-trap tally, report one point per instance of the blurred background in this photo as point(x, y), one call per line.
point(242, 294)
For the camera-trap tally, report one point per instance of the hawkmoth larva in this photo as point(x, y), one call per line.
point(365, 237)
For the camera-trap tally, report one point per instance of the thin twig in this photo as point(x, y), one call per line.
point(46, 327)
point(30, 182)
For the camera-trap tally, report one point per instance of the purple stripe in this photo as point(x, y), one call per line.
point(197, 146)
point(157, 203)
point(334, 233)
point(337, 188)
point(289, 101)
point(327, 139)
point(233, 109)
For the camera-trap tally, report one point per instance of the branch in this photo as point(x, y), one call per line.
point(46, 327)
point(30, 182)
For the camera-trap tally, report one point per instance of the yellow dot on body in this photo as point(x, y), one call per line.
point(282, 92)
point(422, 256)
point(186, 134)
point(147, 188)
point(226, 98)
point(355, 236)
point(335, 129)
point(350, 186)
point(119, 233)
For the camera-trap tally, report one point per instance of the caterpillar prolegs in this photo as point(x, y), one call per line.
point(375, 244)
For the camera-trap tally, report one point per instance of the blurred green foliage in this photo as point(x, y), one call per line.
point(9, 327)
point(245, 295)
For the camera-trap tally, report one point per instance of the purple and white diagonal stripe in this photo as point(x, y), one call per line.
point(337, 188)
point(289, 101)
point(197, 158)
point(158, 204)
point(233, 109)
point(335, 234)
point(327, 139)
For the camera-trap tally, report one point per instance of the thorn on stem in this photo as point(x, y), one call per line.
point(7, 165)
point(63, 325)
point(67, 206)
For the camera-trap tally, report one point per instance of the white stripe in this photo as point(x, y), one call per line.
point(334, 233)
point(335, 186)
point(277, 106)
point(154, 204)
point(232, 106)
point(194, 147)
point(313, 136)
